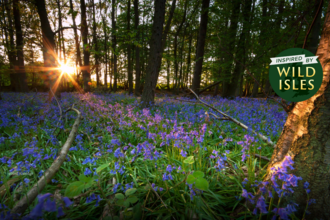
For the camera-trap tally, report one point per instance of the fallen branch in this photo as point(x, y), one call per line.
point(261, 157)
point(23, 204)
point(208, 87)
point(227, 117)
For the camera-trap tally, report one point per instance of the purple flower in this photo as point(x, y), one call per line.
point(87, 172)
point(67, 201)
point(169, 168)
point(261, 204)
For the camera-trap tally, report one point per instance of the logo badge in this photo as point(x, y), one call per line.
point(295, 74)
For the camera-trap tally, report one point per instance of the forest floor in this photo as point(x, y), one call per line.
point(171, 161)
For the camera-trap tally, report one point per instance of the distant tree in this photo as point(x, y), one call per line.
point(241, 54)
point(129, 46)
point(19, 48)
point(200, 46)
point(84, 34)
point(73, 16)
point(152, 71)
point(48, 41)
point(114, 45)
point(96, 48)
point(137, 49)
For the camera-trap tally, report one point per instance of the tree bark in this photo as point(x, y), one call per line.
point(240, 53)
point(129, 46)
point(10, 48)
point(148, 94)
point(306, 138)
point(96, 49)
point(200, 46)
point(48, 49)
point(19, 48)
point(137, 49)
point(114, 45)
point(230, 45)
point(262, 37)
point(314, 39)
point(78, 60)
point(84, 34)
point(105, 45)
point(268, 88)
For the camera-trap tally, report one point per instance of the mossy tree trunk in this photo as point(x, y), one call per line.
point(306, 138)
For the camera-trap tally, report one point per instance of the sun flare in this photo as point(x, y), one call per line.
point(67, 69)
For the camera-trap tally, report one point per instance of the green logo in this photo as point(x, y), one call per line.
point(295, 74)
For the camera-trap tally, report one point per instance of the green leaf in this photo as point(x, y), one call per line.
point(137, 212)
point(126, 204)
point(100, 168)
point(132, 199)
point(189, 160)
point(120, 202)
point(202, 184)
point(130, 191)
point(84, 178)
point(120, 196)
point(191, 179)
point(74, 189)
point(198, 174)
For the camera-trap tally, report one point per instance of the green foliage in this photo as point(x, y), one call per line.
point(128, 199)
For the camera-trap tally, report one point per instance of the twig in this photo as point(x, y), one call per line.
point(160, 198)
point(23, 204)
point(89, 139)
point(19, 112)
point(235, 121)
point(217, 117)
point(262, 157)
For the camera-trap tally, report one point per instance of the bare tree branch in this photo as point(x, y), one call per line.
point(23, 204)
point(264, 138)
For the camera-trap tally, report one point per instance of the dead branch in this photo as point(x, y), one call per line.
point(208, 87)
point(89, 139)
point(23, 204)
point(19, 112)
point(261, 157)
point(264, 138)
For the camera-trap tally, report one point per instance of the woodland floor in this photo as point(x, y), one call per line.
point(146, 154)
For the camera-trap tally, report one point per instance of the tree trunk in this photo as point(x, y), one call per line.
point(105, 45)
point(241, 52)
point(314, 41)
point(114, 45)
point(230, 45)
point(48, 49)
point(129, 61)
point(189, 60)
point(10, 48)
point(137, 49)
point(21, 74)
point(148, 94)
point(96, 49)
point(78, 60)
point(306, 138)
point(84, 34)
point(268, 88)
point(200, 46)
point(262, 39)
